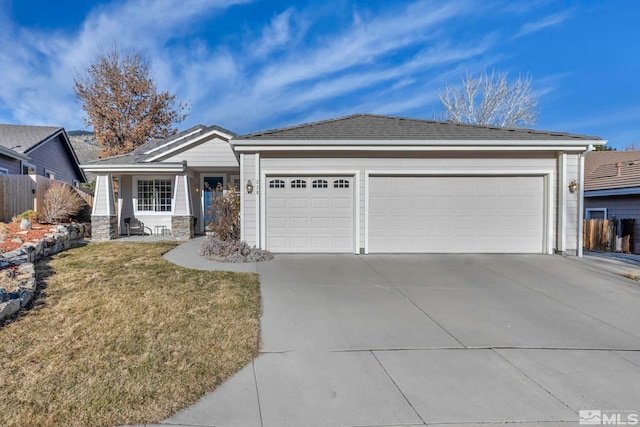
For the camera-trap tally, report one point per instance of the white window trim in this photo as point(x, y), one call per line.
point(588, 212)
point(49, 172)
point(134, 194)
point(29, 165)
point(4, 171)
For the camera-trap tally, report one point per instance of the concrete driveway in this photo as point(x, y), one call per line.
point(434, 339)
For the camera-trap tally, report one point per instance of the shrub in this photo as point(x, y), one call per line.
point(225, 214)
point(30, 214)
point(60, 202)
point(217, 249)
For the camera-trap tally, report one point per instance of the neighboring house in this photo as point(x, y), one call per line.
point(612, 186)
point(10, 161)
point(39, 150)
point(364, 184)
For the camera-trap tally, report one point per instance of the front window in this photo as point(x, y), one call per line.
point(154, 195)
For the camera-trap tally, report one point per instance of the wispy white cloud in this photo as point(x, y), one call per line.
point(281, 33)
point(546, 22)
point(287, 70)
point(38, 67)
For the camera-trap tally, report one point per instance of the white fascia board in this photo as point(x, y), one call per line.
point(263, 144)
point(199, 139)
point(256, 148)
point(141, 168)
point(629, 191)
point(171, 141)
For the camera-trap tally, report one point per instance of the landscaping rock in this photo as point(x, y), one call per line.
point(25, 224)
point(9, 308)
point(25, 256)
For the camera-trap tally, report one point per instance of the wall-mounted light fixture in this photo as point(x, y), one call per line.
point(249, 187)
point(573, 186)
point(197, 189)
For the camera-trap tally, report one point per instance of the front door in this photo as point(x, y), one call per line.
point(208, 190)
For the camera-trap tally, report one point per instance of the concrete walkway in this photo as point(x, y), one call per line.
point(399, 340)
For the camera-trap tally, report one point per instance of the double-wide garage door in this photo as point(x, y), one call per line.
point(463, 214)
point(421, 214)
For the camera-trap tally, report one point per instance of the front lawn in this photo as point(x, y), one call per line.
point(121, 336)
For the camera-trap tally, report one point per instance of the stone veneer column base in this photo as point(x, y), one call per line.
point(182, 227)
point(104, 227)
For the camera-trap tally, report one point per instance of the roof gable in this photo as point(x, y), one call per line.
point(23, 138)
point(377, 127)
point(175, 149)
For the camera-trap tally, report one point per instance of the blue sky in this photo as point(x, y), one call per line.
point(255, 65)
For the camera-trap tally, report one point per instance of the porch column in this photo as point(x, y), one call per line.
point(182, 227)
point(104, 222)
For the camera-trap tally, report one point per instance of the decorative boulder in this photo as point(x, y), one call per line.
point(25, 224)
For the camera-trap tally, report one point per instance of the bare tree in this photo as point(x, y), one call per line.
point(123, 105)
point(633, 146)
point(489, 99)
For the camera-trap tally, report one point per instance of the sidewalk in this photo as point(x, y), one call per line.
point(188, 255)
point(617, 263)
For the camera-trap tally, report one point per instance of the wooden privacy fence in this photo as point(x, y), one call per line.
point(615, 235)
point(19, 193)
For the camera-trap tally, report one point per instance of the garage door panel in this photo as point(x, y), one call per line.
point(320, 203)
point(277, 203)
point(277, 222)
point(456, 214)
point(298, 202)
point(320, 222)
point(299, 222)
point(317, 218)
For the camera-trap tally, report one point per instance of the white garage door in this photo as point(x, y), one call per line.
point(479, 214)
point(310, 214)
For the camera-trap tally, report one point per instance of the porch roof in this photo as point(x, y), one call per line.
point(115, 167)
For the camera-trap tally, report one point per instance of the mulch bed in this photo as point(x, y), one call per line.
point(36, 233)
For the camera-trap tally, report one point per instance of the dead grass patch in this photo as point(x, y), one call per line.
point(121, 336)
point(632, 276)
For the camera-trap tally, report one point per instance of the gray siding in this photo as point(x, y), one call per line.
point(619, 207)
point(181, 205)
point(214, 151)
point(125, 201)
point(11, 165)
point(414, 161)
point(572, 203)
point(250, 206)
point(54, 155)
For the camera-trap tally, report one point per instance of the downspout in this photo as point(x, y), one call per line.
point(581, 197)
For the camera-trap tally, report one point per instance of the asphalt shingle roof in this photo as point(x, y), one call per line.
point(145, 152)
point(22, 138)
point(624, 172)
point(376, 127)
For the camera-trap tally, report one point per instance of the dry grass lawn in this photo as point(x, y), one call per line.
point(120, 336)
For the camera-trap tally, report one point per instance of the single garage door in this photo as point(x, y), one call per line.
point(310, 214)
point(463, 214)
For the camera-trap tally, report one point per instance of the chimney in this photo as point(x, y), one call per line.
point(619, 167)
